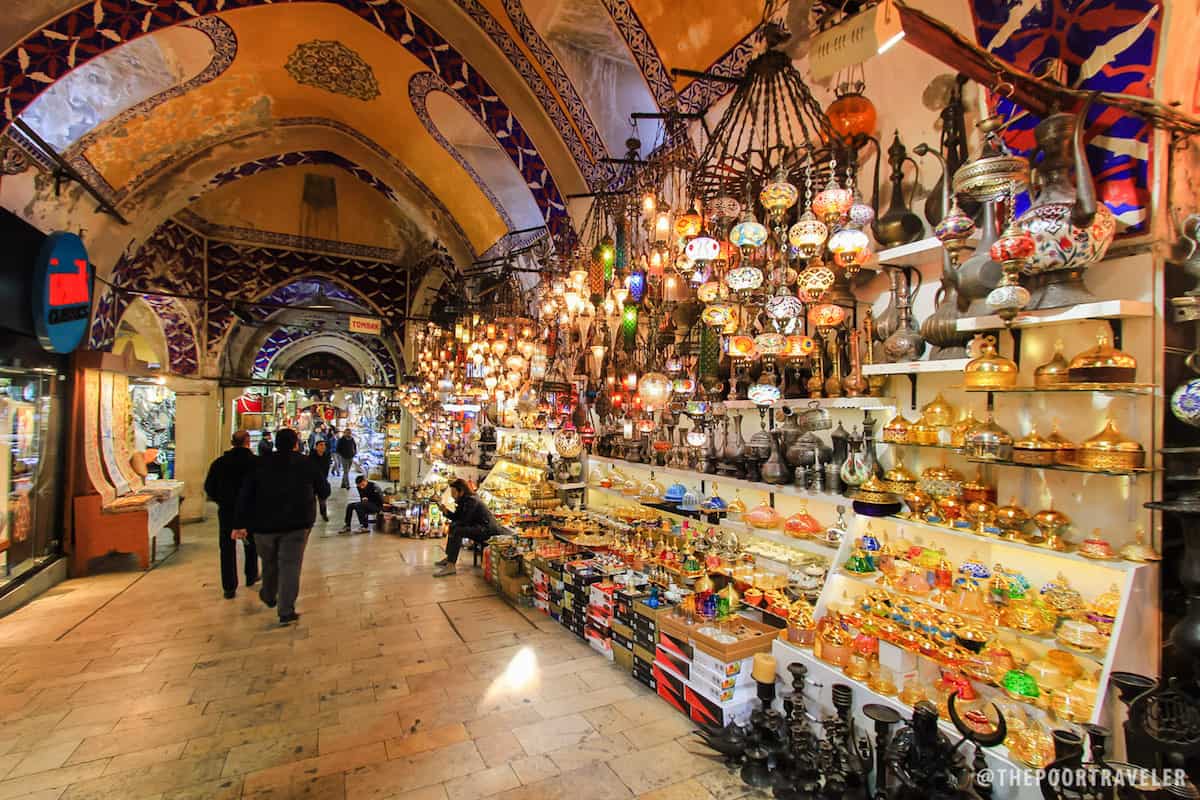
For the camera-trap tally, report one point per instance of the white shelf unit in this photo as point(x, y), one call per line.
point(1101, 309)
point(858, 403)
point(916, 367)
point(1132, 647)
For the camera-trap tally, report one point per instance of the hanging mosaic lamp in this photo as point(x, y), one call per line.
point(826, 315)
point(860, 214)
point(654, 389)
point(814, 281)
point(763, 394)
point(629, 325)
point(723, 210)
point(744, 279)
point(711, 291)
point(799, 346)
point(636, 284)
point(850, 247)
point(1013, 250)
point(832, 202)
point(779, 195)
point(808, 235)
point(719, 315)
point(742, 347)
point(688, 225)
point(702, 248)
point(748, 234)
point(770, 344)
point(852, 114)
point(783, 307)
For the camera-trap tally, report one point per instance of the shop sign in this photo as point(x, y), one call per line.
point(368, 325)
point(62, 293)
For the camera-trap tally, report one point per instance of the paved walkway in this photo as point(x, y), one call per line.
point(394, 684)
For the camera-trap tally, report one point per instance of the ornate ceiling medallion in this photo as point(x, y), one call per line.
point(333, 67)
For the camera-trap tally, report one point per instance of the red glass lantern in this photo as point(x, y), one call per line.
point(852, 115)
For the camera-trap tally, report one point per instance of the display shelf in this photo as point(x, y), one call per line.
point(913, 254)
point(916, 367)
point(814, 546)
point(566, 487)
point(1009, 544)
point(858, 403)
point(1045, 641)
point(1102, 309)
point(725, 481)
point(1101, 388)
point(1114, 473)
point(950, 447)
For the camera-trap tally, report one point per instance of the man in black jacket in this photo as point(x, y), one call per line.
point(370, 501)
point(470, 519)
point(223, 485)
point(347, 449)
point(278, 506)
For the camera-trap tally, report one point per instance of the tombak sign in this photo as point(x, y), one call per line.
point(62, 293)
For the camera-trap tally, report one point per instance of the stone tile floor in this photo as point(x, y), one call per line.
point(393, 685)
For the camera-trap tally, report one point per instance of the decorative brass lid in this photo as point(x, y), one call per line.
point(1103, 355)
point(988, 434)
point(990, 369)
point(1058, 440)
point(1034, 441)
point(899, 474)
point(938, 412)
point(1054, 371)
point(1110, 440)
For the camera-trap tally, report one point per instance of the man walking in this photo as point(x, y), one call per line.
point(264, 442)
point(347, 449)
point(317, 434)
point(223, 485)
point(370, 501)
point(278, 506)
point(321, 456)
point(331, 441)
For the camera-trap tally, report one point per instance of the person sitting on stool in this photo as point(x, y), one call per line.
point(370, 501)
point(470, 519)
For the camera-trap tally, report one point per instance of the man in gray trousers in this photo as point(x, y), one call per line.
point(277, 506)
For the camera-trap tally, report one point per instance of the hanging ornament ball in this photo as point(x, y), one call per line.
point(852, 115)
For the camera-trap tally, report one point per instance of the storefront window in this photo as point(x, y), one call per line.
point(30, 432)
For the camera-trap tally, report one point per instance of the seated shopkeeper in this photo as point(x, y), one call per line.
point(470, 519)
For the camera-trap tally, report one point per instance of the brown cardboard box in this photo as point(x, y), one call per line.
point(511, 587)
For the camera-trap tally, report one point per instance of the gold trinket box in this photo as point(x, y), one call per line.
point(1102, 364)
point(1034, 449)
point(1054, 372)
point(1109, 450)
point(938, 413)
point(990, 370)
point(898, 430)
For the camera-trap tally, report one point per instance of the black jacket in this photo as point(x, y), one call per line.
point(280, 495)
point(322, 462)
point(371, 494)
point(347, 447)
point(470, 512)
point(265, 445)
point(226, 476)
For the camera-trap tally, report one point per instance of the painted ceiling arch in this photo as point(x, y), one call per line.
point(78, 36)
point(284, 346)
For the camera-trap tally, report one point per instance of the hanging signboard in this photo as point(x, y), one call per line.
point(368, 325)
point(62, 293)
point(853, 41)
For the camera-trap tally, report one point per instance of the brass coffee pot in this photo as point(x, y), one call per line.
point(898, 225)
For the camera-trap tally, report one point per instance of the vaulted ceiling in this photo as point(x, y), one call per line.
point(350, 128)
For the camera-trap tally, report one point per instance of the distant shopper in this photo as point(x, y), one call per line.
point(331, 440)
point(317, 434)
point(347, 449)
point(322, 458)
point(470, 519)
point(264, 443)
point(370, 501)
point(223, 485)
point(277, 506)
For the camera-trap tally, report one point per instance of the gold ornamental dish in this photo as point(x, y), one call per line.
point(1054, 372)
point(990, 370)
point(921, 432)
point(874, 491)
point(991, 177)
point(960, 429)
point(1103, 364)
point(898, 430)
point(1034, 449)
point(1109, 450)
point(938, 413)
point(899, 480)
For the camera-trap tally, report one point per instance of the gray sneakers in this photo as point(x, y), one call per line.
point(444, 570)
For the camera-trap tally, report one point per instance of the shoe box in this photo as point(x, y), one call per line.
point(599, 642)
point(740, 669)
point(670, 686)
point(622, 655)
point(708, 710)
point(623, 600)
point(622, 634)
point(643, 666)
